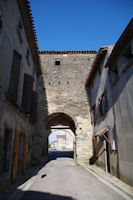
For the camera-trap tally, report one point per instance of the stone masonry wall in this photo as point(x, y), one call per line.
point(64, 88)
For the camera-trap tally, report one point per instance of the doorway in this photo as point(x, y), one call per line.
point(63, 124)
point(7, 149)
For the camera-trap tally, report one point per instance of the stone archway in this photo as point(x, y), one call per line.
point(61, 89)
point(59, 121)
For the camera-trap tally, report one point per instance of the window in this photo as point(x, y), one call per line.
point(93, 114)
point(103, 104)
point(27, 56)
point(14, 78)
point(34, 103)
point(57, 62)
point(124, 61)
point(114, 75)
point(27, 93)
point(19, 30)
point(127, 58)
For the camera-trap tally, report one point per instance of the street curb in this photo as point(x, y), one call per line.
point(121, 190)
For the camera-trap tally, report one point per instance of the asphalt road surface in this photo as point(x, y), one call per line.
point(62, 179)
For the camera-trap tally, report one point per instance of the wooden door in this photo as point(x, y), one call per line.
point(15, 156)
point(20, 155)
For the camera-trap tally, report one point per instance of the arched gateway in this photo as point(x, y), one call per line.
point(63, 102)
point(60, 121)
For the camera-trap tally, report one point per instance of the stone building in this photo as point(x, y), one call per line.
point(61, 142)
point(19, 69)
point(109, 87)
point(65, 104)
point(120, 64)
point(65, 141)
point(102, 115)
point(69, 142)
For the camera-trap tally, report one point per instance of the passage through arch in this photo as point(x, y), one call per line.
point(62, 119)
point(60, 144)
point(57, 122)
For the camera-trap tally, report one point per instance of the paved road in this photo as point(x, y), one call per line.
point(62, 179)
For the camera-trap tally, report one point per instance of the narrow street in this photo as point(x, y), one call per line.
point(62, 179)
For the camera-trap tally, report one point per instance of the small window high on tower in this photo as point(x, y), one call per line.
point(57, 62)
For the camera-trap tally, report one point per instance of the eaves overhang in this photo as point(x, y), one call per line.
point(121, 44)
point(95, 65)
point(27, 18)
point(68, 52)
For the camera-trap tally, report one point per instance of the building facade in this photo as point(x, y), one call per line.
point(63, 82)
point(109, 87)
point(61, 142)
point(19, 69)
point(65, 142)
point(102, 115)
point(120, 65)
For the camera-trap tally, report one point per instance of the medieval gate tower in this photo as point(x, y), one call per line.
point(63, 102)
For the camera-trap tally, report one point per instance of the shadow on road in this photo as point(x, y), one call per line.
point(42, 196)
point(53, 155)
point(32, 171)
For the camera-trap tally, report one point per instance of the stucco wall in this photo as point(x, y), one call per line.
point(123, 107)
point(9, 41)
point(10, 116)
point(101, 83)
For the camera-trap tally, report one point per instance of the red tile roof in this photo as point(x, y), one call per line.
point(99, 57)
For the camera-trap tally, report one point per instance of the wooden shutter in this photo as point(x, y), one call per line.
point(33, 113)
point(14, 77)
point(27, 93)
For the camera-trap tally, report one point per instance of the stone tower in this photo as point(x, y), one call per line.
point(63, 102)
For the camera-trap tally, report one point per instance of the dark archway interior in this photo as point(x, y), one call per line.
point(60, 119)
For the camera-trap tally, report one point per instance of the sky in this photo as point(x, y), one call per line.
point(79, 24)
